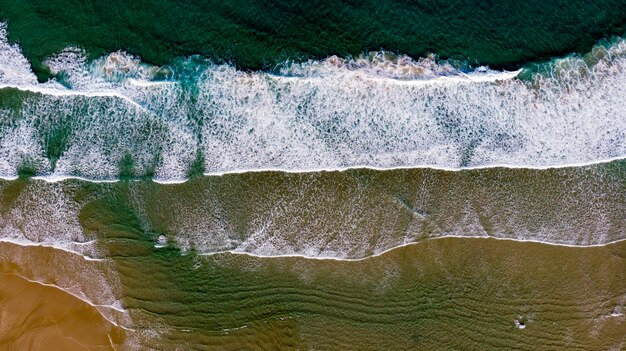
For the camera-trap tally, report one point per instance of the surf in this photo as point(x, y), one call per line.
point(116, 117)
point(344, 215)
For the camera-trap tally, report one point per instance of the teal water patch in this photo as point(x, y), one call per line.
point(257, 35)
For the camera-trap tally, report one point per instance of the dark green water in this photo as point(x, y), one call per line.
point(259, 34)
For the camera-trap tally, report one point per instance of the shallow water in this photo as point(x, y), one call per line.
point(350, 214)
point(158, 276)
point(34, 317)
point(451, 293)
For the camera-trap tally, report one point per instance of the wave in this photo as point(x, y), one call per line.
point(118, 117)
point(344, 215)
point(395, 248)
point(62, 245)
point(43, 216)
point(54, 178)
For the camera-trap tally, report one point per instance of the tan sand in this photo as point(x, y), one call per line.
point(34, 316)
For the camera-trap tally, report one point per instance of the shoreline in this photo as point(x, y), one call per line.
point(53, 178)
point(381, 253)
point(421, 241)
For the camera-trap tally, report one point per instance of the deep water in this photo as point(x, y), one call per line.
point(259, 34)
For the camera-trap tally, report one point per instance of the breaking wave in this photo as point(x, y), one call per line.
point(116, 116)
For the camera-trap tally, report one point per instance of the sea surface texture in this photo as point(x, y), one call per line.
point(279, 175)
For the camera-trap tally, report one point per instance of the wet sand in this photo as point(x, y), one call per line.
point(48, 300)
point(34, 316)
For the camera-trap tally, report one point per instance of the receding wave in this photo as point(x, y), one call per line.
point(116, 116)
point(36, 315)
point(344, 215)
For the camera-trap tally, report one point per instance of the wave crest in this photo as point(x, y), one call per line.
point(117, 116)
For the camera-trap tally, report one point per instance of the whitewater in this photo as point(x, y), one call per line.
point(118, 116)
point(343, 215)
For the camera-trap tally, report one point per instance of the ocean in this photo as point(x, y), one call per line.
point(179, 175)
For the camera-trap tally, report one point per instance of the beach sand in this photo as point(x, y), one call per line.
point(39, 317)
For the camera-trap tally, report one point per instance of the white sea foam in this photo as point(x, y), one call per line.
point(53, 178)
point(58, 245)
point(385, 65)
point(46, 216)
point(379, 111)
point(14, 67)
point(334, 215)
point(349, 215)
point(381, 253)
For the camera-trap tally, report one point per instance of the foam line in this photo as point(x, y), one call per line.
point(60, 178)
point(461, 78)
point(57, 91)
point(405, 245)
point(52, 246)
point(434, 167)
